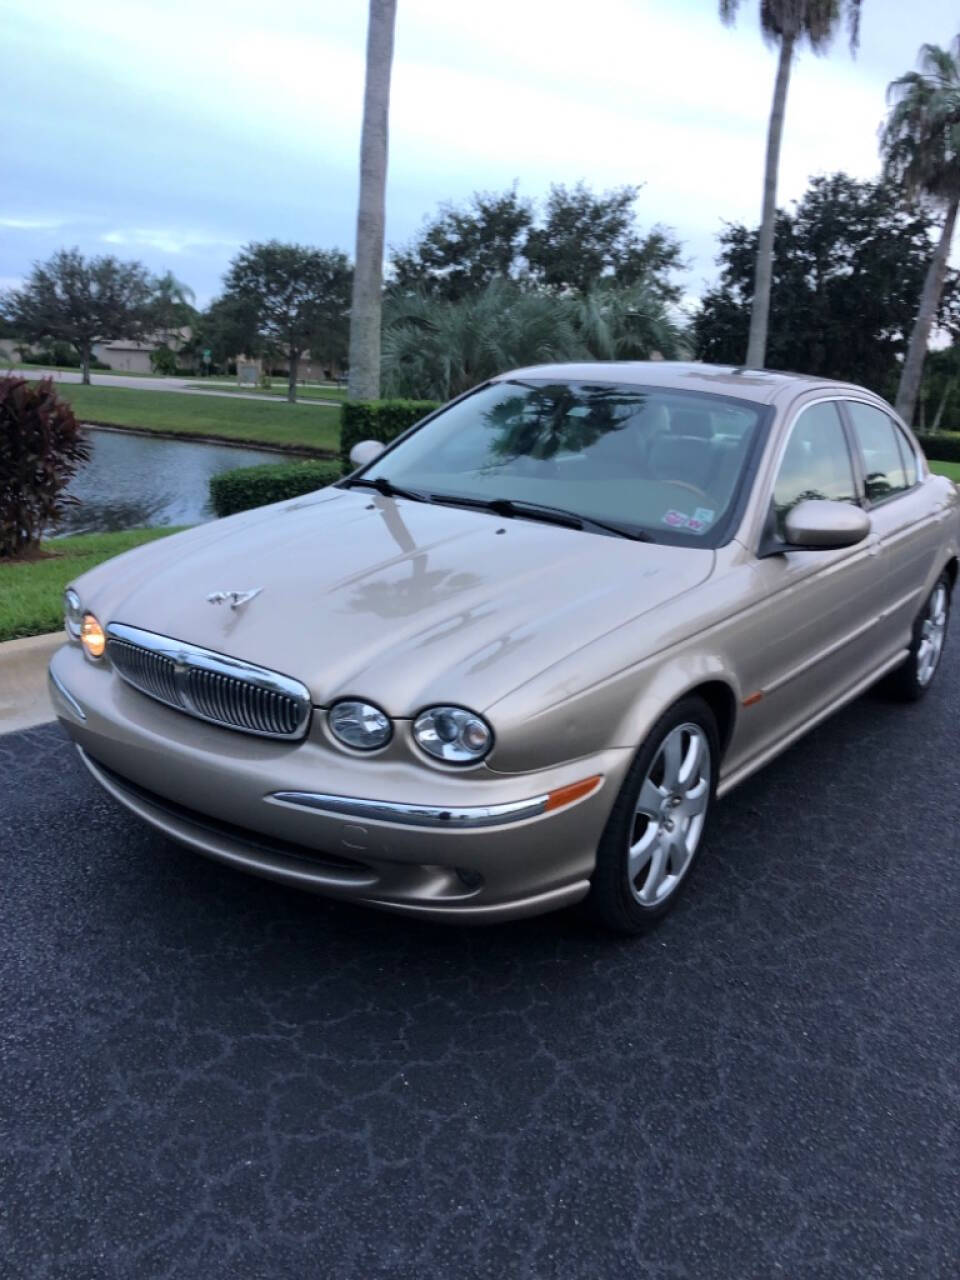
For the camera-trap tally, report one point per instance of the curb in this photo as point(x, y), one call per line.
point(24, 700)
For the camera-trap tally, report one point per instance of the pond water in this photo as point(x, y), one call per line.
point(134, 481)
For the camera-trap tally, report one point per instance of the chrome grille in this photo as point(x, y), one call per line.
point(208, 685)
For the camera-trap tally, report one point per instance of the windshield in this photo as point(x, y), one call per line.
point(668, 463)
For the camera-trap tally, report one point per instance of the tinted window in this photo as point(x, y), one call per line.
point(877, 437)
point(816, 463)
point(667, 462)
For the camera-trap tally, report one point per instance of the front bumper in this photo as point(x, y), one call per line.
point(386, 831)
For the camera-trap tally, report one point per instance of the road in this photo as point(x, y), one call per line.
point(131, 382)
point(204, 1075)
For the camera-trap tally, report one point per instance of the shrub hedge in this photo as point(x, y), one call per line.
point(941, 447)
point(378, 420)
point(233, 491)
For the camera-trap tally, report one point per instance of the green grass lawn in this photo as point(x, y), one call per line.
point(950, 469)
point(305, 426)
point(31, 592)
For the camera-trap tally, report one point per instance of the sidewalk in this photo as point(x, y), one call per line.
point(23, 681)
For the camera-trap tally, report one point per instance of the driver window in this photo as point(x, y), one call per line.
point(816, 463)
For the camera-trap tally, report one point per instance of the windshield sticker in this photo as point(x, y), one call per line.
point(696, 523)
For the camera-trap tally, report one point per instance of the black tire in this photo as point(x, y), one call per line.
point(906, 683)
point(612, 899)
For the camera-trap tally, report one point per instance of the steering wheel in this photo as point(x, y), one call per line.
point(691, 488)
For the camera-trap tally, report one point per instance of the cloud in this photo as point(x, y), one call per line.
point(167, 240)
point(15, 223)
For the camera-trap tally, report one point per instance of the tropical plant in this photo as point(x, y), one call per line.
point(173, 307)
point(41, 446)
point(365, 310)
point(920, 143)
point(292, 298)
point(82, 301)
point(436, 348)
point(787, 24)
point(848, 264)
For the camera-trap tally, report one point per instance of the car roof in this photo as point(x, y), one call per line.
point(762, 385)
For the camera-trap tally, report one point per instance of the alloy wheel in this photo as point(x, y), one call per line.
point(669, 815)
point(933, 628)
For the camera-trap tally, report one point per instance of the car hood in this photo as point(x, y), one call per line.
point(400, 602)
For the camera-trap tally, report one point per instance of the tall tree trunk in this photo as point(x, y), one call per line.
point(929, 301)
point(85, 363)
point(947, 393)
point(364, 381)
point(293, 365)
point(760, 310)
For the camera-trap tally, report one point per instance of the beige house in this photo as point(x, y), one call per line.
point(126, 356)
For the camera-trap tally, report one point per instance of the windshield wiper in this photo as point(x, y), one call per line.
point(387, 488)
point(549, 515)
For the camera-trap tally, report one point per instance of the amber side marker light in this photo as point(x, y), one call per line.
point(92, 637)
point(575, 791)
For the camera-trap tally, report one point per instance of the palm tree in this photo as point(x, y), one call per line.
point(787, 23)
point(364, 381)
point(920, 143)
point(174, 306)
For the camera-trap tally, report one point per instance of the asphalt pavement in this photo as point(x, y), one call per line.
point(203, 1075)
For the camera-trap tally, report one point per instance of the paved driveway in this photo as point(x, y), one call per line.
point(207, 1076)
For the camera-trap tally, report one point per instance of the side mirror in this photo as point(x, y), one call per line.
point(365, 451)
point(819, 525)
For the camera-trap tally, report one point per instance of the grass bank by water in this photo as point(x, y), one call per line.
point(285, 426)
point(31, 591)
point(950, 469)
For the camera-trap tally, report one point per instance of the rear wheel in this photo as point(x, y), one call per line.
point(912, 680)
point(655, 830)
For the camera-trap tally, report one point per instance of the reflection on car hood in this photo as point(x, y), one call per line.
point(400, 602)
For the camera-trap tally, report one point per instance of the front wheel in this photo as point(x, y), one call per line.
point(914, 677)
point(656, 826)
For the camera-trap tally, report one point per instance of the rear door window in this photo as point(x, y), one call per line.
point(883, 465)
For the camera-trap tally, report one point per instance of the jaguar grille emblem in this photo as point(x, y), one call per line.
point(236, 599)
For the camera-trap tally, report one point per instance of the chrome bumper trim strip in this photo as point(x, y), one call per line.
point(67, 696)
point(415, 815)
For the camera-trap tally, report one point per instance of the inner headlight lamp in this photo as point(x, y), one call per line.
point(453, 734)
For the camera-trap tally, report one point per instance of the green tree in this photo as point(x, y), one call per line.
point(585, 239)
point(578, 241)
point(463, 249)
point(366, 304)
point(920, 143)
point(848, 264)
point(82, 301)
point(787, 24)
point(285, 297)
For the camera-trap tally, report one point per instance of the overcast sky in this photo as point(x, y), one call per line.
point(174, 131)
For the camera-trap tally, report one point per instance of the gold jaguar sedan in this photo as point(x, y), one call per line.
point(512, 660)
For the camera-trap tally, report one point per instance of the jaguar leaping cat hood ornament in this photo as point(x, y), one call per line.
point(237, 599)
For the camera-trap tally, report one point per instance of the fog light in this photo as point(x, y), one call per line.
point(92, 637)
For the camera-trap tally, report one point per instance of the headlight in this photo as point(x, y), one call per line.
point(91, 637)
point(72, 614)
point(453, 734)
point(359, 725)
